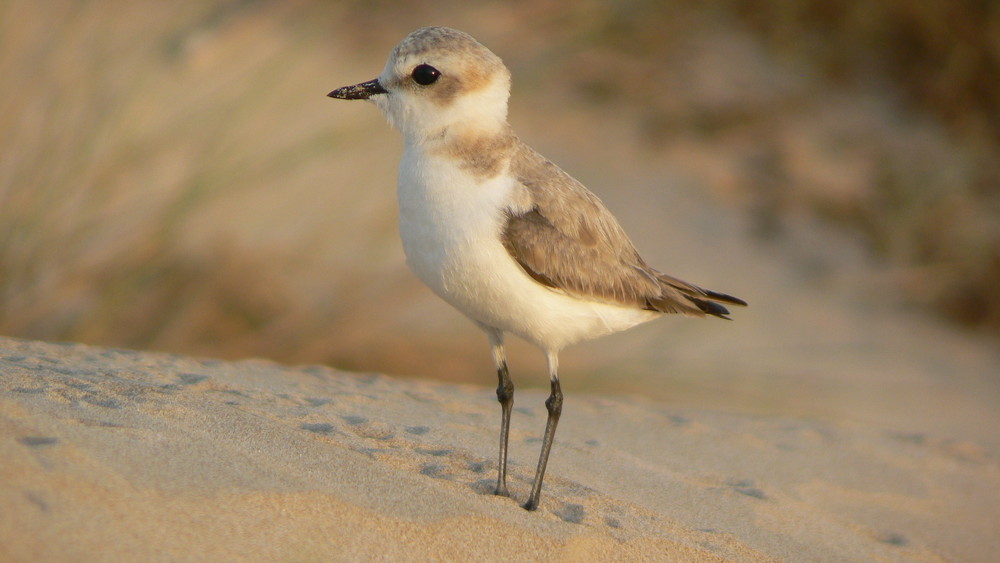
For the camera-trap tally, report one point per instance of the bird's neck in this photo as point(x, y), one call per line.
point(481, 151)
point(456, 131)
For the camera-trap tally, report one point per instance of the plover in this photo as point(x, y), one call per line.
point(499, 232)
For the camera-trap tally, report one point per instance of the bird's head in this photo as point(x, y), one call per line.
point(438, 78)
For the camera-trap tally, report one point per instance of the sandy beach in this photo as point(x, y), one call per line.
point(111, 454)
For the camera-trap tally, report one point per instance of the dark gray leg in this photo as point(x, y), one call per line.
point(505, 394)
point(554, 405)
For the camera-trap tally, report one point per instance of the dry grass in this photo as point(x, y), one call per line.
point(131, 133)
point(166, 182)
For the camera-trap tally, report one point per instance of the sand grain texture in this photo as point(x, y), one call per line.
point(111, 454)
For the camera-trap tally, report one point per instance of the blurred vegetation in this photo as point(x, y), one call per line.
point(128, 129)
point(942, 59)
point(923, 168)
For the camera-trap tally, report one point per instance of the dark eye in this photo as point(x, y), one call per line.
point(425, 75)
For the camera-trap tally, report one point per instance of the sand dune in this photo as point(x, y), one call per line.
point(112, 454)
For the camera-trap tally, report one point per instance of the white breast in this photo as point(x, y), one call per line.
point(446, 216)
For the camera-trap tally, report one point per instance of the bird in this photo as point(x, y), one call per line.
point(501, 233)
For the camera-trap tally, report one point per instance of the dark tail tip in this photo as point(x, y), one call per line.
point(716, 296)
point(714, 309)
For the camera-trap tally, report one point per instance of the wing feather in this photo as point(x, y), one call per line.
point(564, 237)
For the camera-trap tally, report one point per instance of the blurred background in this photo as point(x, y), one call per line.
point(172, 177)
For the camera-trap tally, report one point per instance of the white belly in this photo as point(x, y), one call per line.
point(450, 227)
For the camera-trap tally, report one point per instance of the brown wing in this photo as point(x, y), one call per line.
point(564, 237)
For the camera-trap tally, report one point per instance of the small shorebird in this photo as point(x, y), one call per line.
point(499, 232)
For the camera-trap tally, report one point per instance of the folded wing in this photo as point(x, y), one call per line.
point(564, 238)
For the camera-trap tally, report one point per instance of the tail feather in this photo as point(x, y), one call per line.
point(710, 308)
point(716, 296)
point(707, 301)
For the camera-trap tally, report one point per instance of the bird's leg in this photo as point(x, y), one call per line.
point(554, 405)
point(505, 394)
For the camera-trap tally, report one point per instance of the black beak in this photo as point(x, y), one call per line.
point(361, 91)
